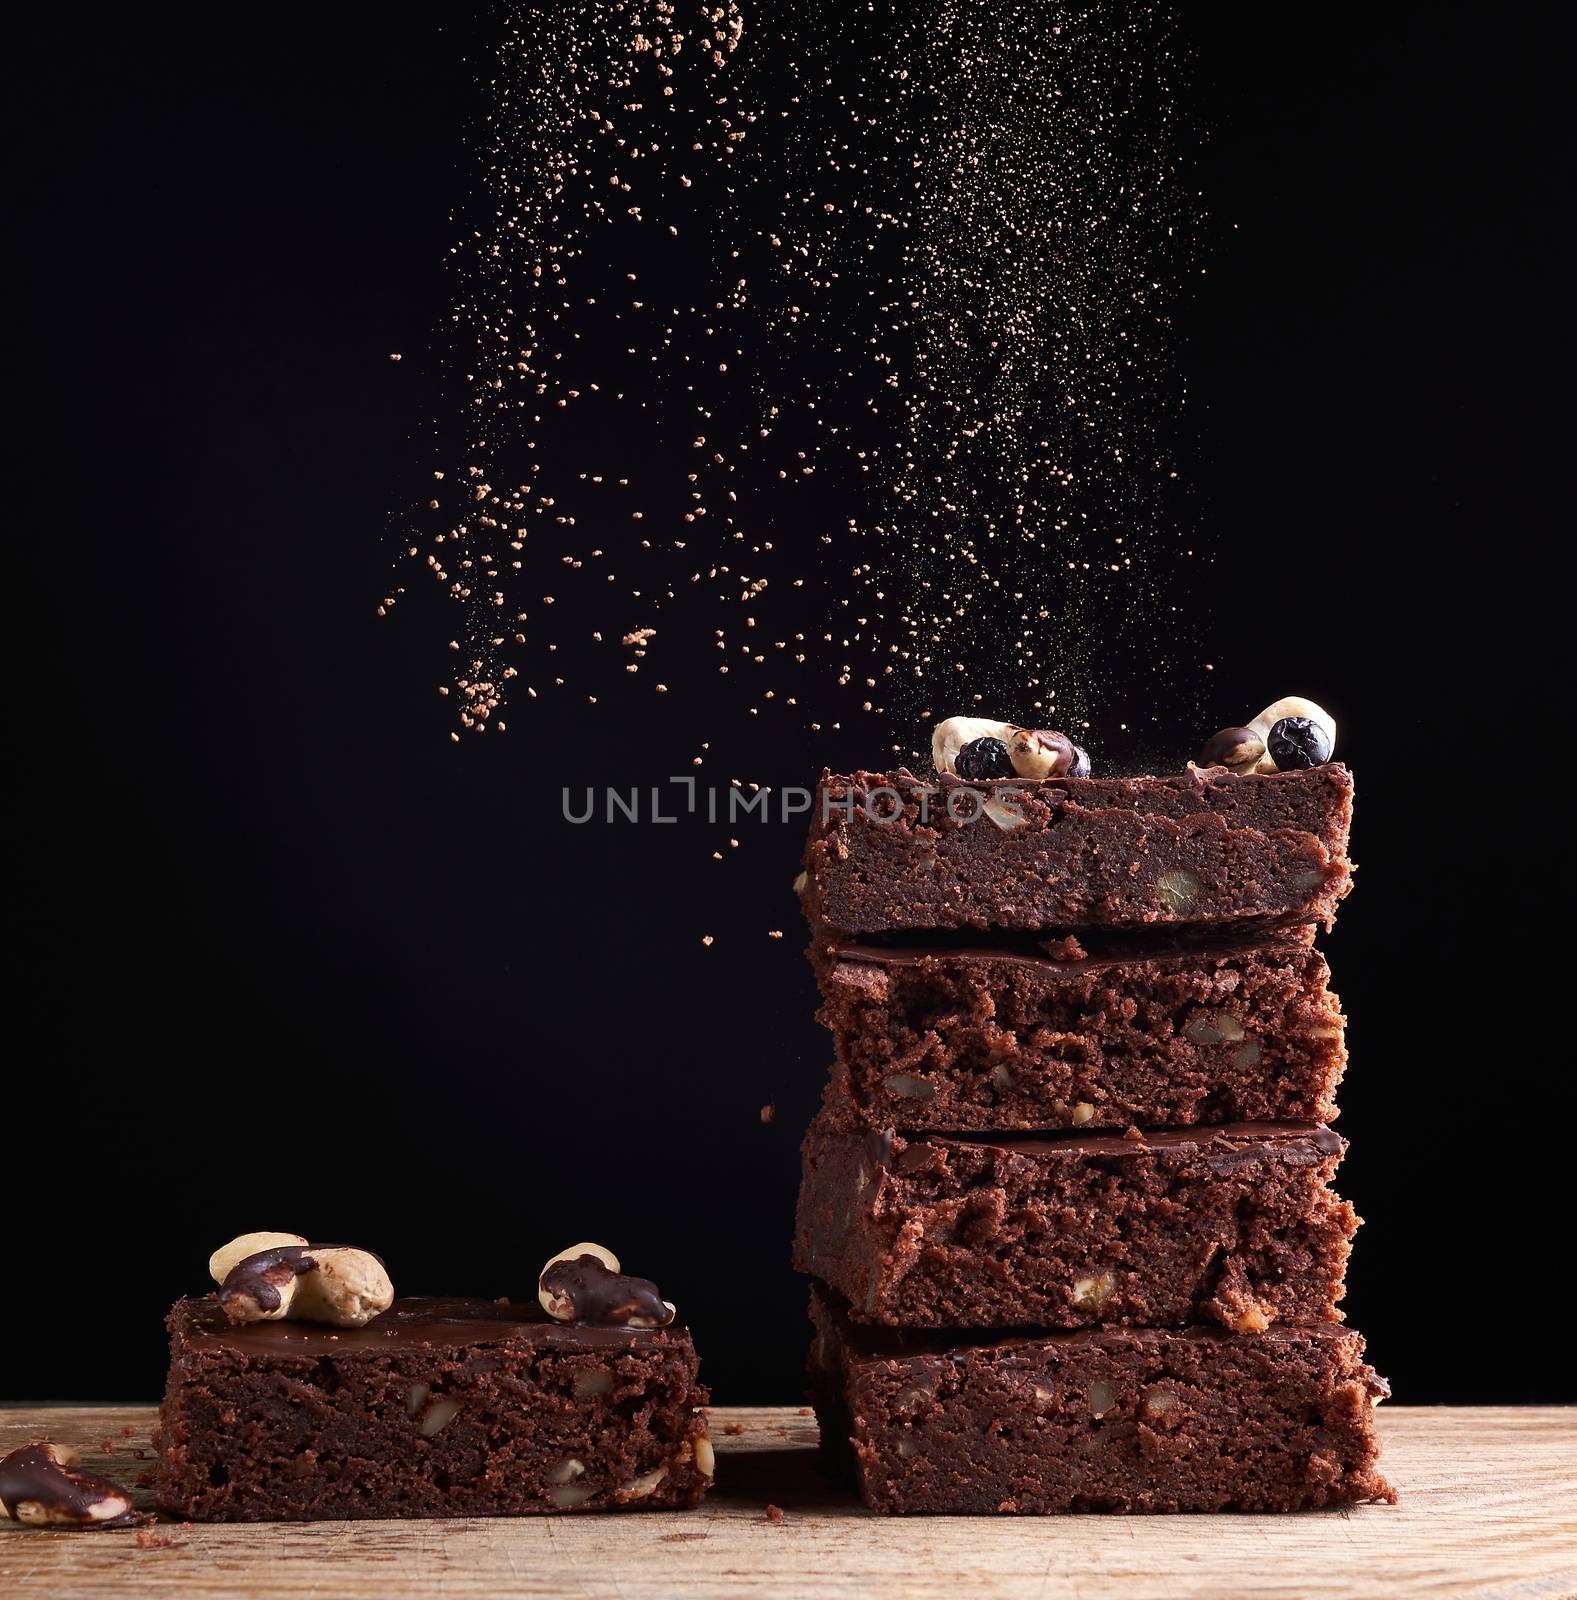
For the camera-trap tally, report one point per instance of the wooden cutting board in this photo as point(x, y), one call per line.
point(1489, 1508)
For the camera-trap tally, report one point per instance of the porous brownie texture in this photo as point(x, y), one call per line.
point(439, 1407)
point(1132, 1420)
point(889, 852)
point(999, 1041)
point(1235, 1224)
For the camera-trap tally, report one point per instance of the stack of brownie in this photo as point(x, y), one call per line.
point(1067, 1202)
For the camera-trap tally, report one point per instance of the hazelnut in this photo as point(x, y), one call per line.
point(705, 1457)
point(1102, 1397)
point(593, 1381)
point(566, 1496)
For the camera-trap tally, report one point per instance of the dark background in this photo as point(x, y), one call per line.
point(285, 957)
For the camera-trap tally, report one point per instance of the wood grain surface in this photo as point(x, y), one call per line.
point(1489, 1508)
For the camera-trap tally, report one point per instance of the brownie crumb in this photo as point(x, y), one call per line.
point(769, 1113)
point(148, 1540)
point(1068, 949)
point(774, 1513)
point(733, 1429)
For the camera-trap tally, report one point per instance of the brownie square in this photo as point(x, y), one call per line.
point(889, 852)
point(1003, 1040)
point(1135, 1420)
point(437, 1408)
point(1235, 1224)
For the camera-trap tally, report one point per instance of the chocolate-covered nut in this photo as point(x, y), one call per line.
point(1292, 705)
point(949, 738)
point(227, 1257)
point(1044, 753)
point(1232, 747)
point(1081, 762)
point(41, 1485)
point(1297, 742)
point(584, 1284)
point(328, 1283)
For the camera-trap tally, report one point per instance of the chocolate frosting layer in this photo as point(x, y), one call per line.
point(422, 1322)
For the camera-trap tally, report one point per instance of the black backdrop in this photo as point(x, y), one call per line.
point(285, 957)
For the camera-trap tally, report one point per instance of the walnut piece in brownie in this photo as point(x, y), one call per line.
point(1132, 1419)
point(1235, 1224)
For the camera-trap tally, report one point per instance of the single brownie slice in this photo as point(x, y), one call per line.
point(1234, 1224)
point(1130, 1419)
point(1000, 1041)
point(889, 851)
point(437, 1408)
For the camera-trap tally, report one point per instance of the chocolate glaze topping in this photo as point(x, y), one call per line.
point(420, 1322)
point(603, 1298)
point(32, 1474)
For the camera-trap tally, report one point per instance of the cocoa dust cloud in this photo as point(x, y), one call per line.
point(811, 363)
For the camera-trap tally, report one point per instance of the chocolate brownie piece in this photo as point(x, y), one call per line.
point(437, 1408)
point(889, 851)
point(1136, 1419)
point(995, 1040)
point(1235, 1223)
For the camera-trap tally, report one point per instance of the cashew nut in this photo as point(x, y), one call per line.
point(41, 1485)
point(225, 1260)
point(1045, 753)
point(951, 736)
point(595, 1291)
point(1294, 706)
point(558, 1306)
point(335, 1284)
point(1243, 750)
point(348, 1288)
